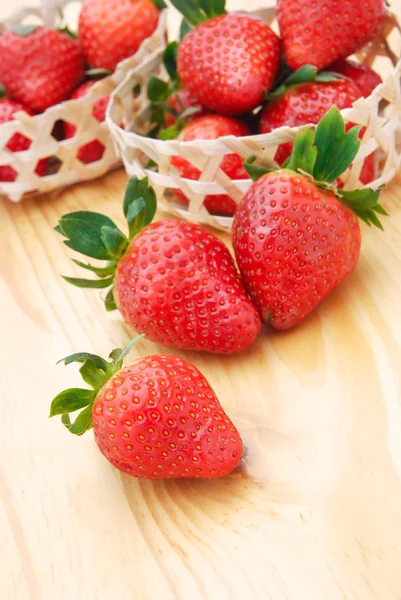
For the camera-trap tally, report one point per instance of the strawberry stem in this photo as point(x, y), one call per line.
point(95, 371)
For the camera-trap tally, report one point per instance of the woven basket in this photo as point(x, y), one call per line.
point(64, 166)
point(380, 114)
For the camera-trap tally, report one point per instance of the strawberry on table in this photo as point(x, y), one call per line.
point(92, 151)
point(228, 61)
point(305, 97)
point(362, 75)
point(295, 237)
point(173, 281)
point(39, 67)
point(18, 141)
point(157, 418)
point(322, 31)
point(209, 128)
point(111, 30)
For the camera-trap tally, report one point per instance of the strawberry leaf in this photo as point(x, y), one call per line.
point(84, 232)
point(139, 204)
point(71, 400)
point(160, 4)
point(82, 423)
point(305, 74)
point(255, 172)
point(99, 271)
point(170, 60)
point(198, 11)
point(2, 91)
point(96, 284)
point(365, 204)
point(114, 240)
point(304, 153)
point(81, 357)
point(157, 90)
point(109, 301)
point(336, 148)
point(93, 376)
point(185, 28)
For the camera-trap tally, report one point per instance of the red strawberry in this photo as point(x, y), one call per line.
point(294, 241)
point(111, 30)
point(210, 128)
point(304, 103)
point(227, 62)
point(18, 142)
point(320, 33)
point(92, 151)
point(157, 418)
point(38, 66)
point(173, 281)
point(179, 102)
point(363, 76)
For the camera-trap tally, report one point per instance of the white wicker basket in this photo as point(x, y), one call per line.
point(380, 114)
point(65, 167)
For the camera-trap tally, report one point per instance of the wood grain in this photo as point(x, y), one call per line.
point(313, 514)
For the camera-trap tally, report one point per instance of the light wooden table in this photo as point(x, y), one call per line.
point(316, 515)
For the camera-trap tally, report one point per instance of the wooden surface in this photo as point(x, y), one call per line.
point(315, 513)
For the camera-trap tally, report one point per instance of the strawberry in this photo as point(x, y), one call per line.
point(111, 30)
point(92, 151)
point(295, 236)
point(18, 142)
point(157, 418)
point(229, 61)
point(363, 76)
point(170, 101)
point(322, 32)
point(39, 67)
point(305, 97)
point(210, 128)
point(173, 281)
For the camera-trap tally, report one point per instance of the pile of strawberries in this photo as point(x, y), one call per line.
point(296, 233)
point(41, 67)
point(235, 76)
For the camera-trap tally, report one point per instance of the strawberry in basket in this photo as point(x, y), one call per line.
point(173, 281)
point(320, 33)
point(39, 67)
point(157, 418)
point(362, 75)
point(295, 236)
point(227, 61)
point(304, 98)
point(111, 30)
point(18, 141)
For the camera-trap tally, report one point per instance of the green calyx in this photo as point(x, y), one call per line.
point(199, 11)
point(2, 91)
point(24, 30)
point(96, 372)
point(305, 74)
point(160, 4)
point(97, 236)
point(323, 154)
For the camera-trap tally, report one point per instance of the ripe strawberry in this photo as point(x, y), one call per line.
point(38, 66)
point(157, 418)
point(210, 128)
point(111, 30)
point(294, 240)
point(299, 102)
point(18, 142)
point(92, 151)
point(320, 33)
point(229, 61)
point(363, 76)
point(174, 282)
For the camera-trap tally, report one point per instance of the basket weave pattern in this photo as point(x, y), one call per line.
point(64, 166)
point(380, 113)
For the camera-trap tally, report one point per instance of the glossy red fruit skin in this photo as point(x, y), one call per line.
point(40, 69)
point(180, 101)
point(177, 284)
point(212, 127)
point(294, 244)
point(92, 151)
point(159, 418)
point(229, 62)
point(18, 141)
point(363, 76)
point(320, 33)
point(308, 103)
point(111, 30)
